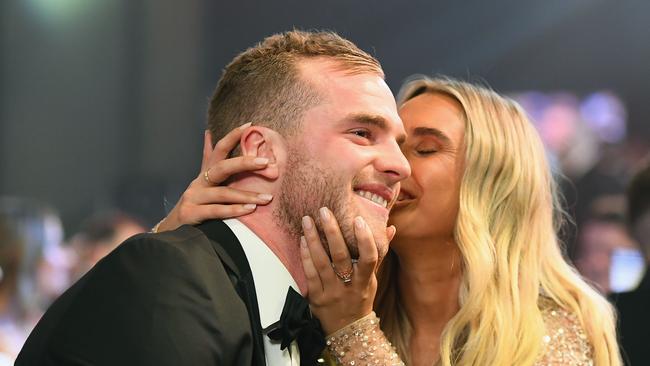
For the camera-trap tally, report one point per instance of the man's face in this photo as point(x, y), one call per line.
point(347, 156)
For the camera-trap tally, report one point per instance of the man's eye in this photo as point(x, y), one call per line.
point(362, 133)
point(426, 152)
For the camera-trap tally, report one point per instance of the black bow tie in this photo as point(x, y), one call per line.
point(297, 323)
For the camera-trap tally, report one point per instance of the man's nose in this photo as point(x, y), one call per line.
point(393, 163)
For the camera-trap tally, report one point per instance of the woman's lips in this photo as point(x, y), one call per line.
point(404, 196)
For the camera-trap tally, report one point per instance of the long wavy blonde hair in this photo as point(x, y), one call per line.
point(506, 231)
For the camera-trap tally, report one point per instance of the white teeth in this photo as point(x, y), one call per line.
point(373, 197)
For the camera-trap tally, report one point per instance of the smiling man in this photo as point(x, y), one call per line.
point(347, 157)
point(327, 123)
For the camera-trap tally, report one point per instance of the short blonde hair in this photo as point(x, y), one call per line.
point(263, 84)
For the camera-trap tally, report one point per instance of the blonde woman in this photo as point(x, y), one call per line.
point(475, 274)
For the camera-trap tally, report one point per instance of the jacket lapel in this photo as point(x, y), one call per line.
point(232, 255)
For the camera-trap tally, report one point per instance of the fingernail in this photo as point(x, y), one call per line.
point(303, 242)
point(359, 222)
point(306, 223)
point(261, 161)
point(324, 213)
point(250, 206)
point(265, 196)
point(245, 125)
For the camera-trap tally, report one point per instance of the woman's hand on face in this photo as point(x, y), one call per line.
point(340, 290)
point(204, 198)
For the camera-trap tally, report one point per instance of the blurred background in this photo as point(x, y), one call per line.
point(102, 111)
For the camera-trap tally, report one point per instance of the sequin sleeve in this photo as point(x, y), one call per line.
point(565, 341)
point(362, 343)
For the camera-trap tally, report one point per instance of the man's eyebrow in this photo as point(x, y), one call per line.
point(428, 131)
point(376, 121)
point(369, 119)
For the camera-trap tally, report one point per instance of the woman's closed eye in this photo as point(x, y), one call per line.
point(426, 150)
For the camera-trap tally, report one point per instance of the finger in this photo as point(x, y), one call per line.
point(207, 149)
point(224, 169)
point(228, 195)
point(337, 247)
point(368, 254)
point(382, 250)
point(390, 232)
point(314, 283)
point(207, 212)
point(226, 144)
point(318, 254)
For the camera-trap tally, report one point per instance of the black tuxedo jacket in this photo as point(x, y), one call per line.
point(634, 323)
point(175, 298)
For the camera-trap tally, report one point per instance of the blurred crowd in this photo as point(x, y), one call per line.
point(586, 139)
point(37, 264)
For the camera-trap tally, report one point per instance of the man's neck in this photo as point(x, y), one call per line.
point(283, 245)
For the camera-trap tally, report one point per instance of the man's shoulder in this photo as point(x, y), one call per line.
point(152, 265)
point(186, 243)
point(157, 296)
point(179, 239)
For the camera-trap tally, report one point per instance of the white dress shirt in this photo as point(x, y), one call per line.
point(272, 280)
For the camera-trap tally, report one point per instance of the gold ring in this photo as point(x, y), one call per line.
point(345, 276)
point(206, 176)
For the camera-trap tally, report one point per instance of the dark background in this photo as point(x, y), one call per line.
point(102, 103)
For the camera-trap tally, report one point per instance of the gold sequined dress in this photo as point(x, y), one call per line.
point(565, 342)
point(363, 343)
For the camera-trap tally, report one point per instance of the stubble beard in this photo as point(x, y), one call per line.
point(306, 187)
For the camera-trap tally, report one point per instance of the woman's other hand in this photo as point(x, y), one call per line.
point(205, 198)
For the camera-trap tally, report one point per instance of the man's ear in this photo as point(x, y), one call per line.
point(262, 142)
